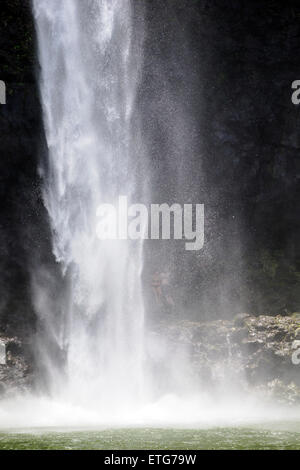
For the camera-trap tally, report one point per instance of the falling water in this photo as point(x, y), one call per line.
point(95, 353)
point(99, 362)
point(90, 60)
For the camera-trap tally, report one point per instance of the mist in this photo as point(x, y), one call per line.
point(193, 322)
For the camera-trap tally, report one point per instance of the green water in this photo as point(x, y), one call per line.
point(278, 436)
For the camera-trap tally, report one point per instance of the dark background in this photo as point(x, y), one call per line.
point(220, 129)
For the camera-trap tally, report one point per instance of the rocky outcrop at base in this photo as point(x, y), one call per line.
point(256, 353)
point(260, 354)
point(16, 371)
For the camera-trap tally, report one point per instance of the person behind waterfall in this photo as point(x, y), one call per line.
point(162, 291)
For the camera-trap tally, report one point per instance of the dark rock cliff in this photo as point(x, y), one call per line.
point(229, 139)
point(22, 216)
point(252, 144)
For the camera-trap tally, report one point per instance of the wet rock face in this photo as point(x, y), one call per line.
point(22, 215)
point(251, 159)
point(19, 124)
point(254, 353)
point(230, 70)
point(16, 374)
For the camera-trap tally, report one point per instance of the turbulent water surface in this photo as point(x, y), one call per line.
point(278, 436)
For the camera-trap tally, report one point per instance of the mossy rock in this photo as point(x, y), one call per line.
point(296, 316)
point(240, 319)
point(297, 333)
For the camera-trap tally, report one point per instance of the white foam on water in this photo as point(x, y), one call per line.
point(194, 412)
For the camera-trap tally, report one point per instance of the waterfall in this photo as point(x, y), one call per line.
point(90, 58)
